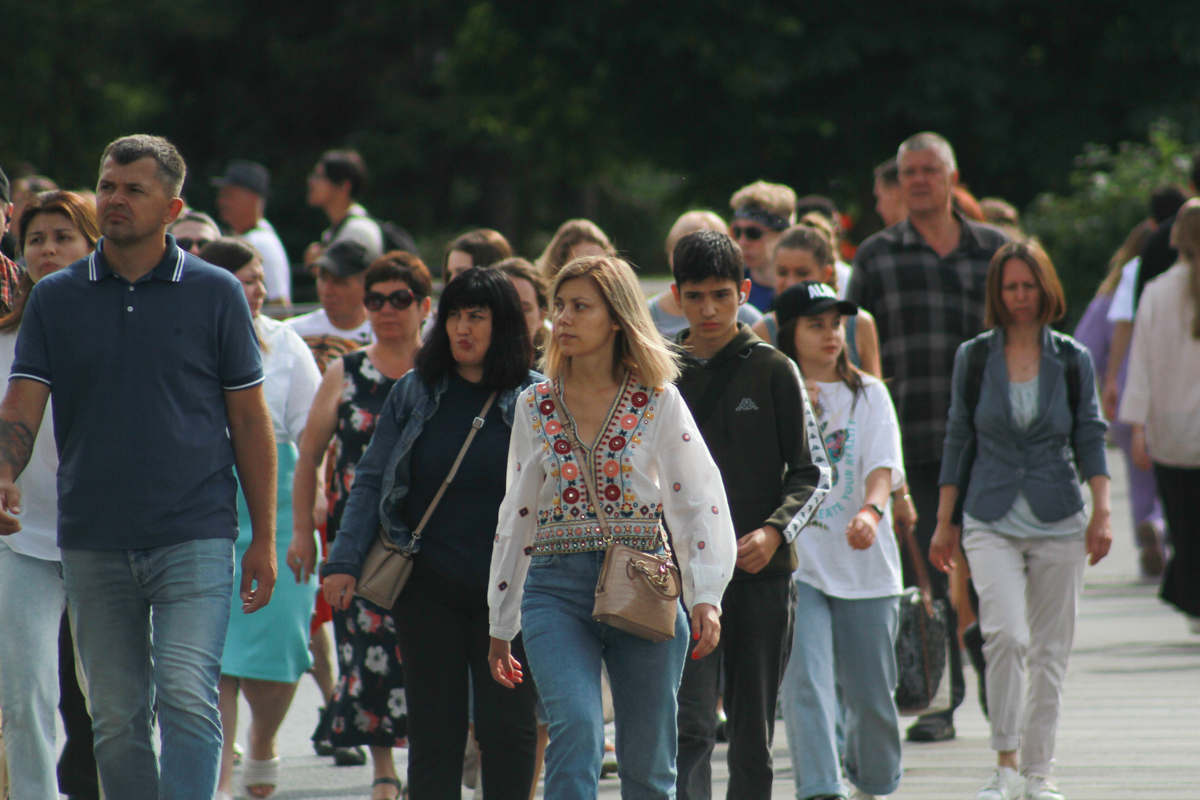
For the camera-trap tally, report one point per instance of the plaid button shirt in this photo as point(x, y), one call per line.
point(10, 276)
point(925, 306)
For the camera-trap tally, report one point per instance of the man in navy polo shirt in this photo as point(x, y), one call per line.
point(153, 364)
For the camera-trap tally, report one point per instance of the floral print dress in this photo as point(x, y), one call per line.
point(369, 706)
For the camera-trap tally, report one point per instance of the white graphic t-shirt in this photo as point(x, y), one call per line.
point(860, 437)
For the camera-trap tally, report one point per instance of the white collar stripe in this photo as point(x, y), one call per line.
point(178, 268)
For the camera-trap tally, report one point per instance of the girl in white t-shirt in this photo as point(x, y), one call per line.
point(848, 579)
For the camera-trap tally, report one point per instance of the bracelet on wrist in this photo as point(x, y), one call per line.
point(874, 509)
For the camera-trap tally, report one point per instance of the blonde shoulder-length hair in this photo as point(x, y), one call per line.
point(638, 347)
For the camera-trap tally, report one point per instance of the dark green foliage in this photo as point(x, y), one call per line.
point(521, 114)
point(1110, 194)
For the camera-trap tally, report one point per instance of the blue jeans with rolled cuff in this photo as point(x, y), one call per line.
point(847, 648)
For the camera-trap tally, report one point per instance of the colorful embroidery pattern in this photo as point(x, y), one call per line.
point(570, 524)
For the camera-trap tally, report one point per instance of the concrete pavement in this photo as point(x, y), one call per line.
point(1130, 728)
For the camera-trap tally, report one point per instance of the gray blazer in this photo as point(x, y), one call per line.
point(1037, 461)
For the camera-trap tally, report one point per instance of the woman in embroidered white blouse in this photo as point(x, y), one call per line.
point(613, 374)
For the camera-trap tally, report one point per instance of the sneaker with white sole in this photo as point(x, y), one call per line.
point(1039, 787)
point(858, 794)
point(1005, 784)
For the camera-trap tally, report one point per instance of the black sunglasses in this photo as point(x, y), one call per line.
point(749, 232)
point(400, 299)
point(188, 244)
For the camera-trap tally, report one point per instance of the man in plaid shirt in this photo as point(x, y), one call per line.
point(923, 279)
point(10, 273)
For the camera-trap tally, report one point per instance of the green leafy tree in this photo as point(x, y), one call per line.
point(1110, 194)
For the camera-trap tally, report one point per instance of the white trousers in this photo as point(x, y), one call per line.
point(1028, 596)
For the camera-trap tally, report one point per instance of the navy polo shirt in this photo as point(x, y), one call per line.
point(137, 374)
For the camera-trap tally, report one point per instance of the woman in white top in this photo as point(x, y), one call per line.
point(57, 229)
point(267, 653)
point(613, 376)
point(848, 581)
point(1162, 403)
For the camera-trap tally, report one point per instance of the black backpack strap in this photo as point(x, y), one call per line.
point(978, 351)
point(977, 356)
point(1068, 354)
point(1070, 357)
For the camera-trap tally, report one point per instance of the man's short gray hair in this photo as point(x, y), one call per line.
point(171, 169)
point(929, 141)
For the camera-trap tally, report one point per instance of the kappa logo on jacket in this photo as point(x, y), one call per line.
point(746, 405)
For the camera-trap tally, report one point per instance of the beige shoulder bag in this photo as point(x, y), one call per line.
point(386, 568)
point(637, 592)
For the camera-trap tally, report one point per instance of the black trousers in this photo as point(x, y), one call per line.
point(757, 619)
point(925, 491)
point(1179, 489)
point(443, 631)
point(77, 774)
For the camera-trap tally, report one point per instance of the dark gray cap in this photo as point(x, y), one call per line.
point(344, 258)
point(246, 174)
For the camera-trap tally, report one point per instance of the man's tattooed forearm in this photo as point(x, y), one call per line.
point(16, 445)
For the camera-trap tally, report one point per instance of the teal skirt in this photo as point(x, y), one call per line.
point(272, 643)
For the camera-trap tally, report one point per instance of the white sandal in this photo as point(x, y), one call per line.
point(260, 773)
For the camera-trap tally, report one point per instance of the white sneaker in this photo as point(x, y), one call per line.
point(858, 794)
point(1005, 784)
point(1039, 787)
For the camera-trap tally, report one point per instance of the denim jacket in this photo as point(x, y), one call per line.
point(381, 477)
point(1036, 461)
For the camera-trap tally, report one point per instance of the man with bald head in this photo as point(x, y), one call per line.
point(923, 279)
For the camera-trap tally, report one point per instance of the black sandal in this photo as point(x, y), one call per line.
point(388, 782)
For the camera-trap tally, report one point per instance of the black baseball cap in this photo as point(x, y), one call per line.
point(807, 299)
point(344, 258)
point(5, 192)
point(246, 174)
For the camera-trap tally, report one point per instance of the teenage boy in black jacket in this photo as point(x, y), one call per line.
point(748, 400)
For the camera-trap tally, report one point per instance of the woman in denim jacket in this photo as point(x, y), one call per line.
point(478, 348)
point(1026, 529)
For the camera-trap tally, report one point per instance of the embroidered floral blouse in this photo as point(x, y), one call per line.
point(649, 463)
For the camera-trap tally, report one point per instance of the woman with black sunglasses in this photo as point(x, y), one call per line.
point(368, 705)
point(473, 365)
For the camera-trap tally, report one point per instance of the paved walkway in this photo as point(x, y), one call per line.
point(1130, 728)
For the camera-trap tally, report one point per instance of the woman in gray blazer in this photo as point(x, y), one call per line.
point(1025, 529)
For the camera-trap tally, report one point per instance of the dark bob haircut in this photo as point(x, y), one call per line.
point(1053, 305)
point(701, 255)
point(510, 353)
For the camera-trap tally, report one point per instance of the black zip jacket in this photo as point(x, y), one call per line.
point(764, 439)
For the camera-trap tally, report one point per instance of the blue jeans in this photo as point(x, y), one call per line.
point(151, 624)
point(31, 609)
point(847, 645)
point(565, 647)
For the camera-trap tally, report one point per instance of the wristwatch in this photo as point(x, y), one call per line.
point(874, 507)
